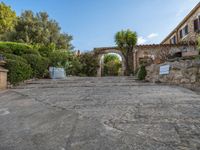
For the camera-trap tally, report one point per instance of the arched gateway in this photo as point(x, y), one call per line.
point(99, 52)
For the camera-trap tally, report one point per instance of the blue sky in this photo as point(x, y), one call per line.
point(93, 23)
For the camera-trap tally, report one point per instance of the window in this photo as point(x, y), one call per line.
point(181, 34)
point(197, 24)
point(184, 31)
point(173, 40)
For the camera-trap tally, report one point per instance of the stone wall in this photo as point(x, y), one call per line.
point(154, 52)
point(183, 72)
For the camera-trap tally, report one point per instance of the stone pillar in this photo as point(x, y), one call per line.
point(99, 70)
point(135, 60)
point(3, 76)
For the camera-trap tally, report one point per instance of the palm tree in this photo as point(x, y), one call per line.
point(126, 40)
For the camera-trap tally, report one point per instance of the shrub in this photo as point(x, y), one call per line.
point(17, 48)
point(59, 58)
point(38, 64)
point(73, 67)
point(142, 73)
point(89, 64)
point(46, 50)
point(14, 57)
point(18, 71)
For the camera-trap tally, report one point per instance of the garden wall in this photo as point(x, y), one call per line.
point(183, 72)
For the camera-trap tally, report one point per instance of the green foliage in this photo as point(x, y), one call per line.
point(14, 57)
point(59, 58)
point(18, 71)
point(142, 73)
point(89, 64)
point(46, 50)
point(38, 64)
point(17, 48)
point(7, 18)
point(126, 40)
point(39, 29)
point(73, 67)
point(112, 65)
point(110, 57)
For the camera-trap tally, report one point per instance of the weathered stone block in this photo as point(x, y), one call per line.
point(181, 72)
point(3, 78)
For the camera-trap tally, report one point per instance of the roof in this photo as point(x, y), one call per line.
point(106, 48)
point(182, 22)
point(165, 45)
point(149, 46)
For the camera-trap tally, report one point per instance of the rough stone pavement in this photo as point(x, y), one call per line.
point(112, 113)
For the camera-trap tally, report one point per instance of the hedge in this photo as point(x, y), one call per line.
point(17, 48)
point(14, 57)
point(38, 64)
point(18, 71)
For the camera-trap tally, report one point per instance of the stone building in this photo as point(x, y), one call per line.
point(187, 30)
point(182, 41)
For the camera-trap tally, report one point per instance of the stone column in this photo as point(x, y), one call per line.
point(135, 60)
point(3, 76)
point(99, 70)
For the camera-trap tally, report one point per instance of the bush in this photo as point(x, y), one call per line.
point(46, 50)
point(73, 67)
point(142, 73)
point(38, 64)
point(89, 64)
point(14, 57)
point(17, 48)
point(59, 58)
point(18, 71)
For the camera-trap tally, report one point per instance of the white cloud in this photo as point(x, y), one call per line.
point(152, 35)
point(141, 40)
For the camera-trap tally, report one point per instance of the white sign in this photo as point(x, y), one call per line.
point(164, 69)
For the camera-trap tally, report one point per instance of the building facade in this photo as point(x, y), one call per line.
point(181, 42)
point(187, 30)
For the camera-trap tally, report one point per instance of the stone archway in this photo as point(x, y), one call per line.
point(104, 51)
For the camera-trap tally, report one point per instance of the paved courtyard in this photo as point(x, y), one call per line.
point(99, 114)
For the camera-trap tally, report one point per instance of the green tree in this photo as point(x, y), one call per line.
point(126, 40)
point(7, 18)
point(112, 65)
point(39, 29)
